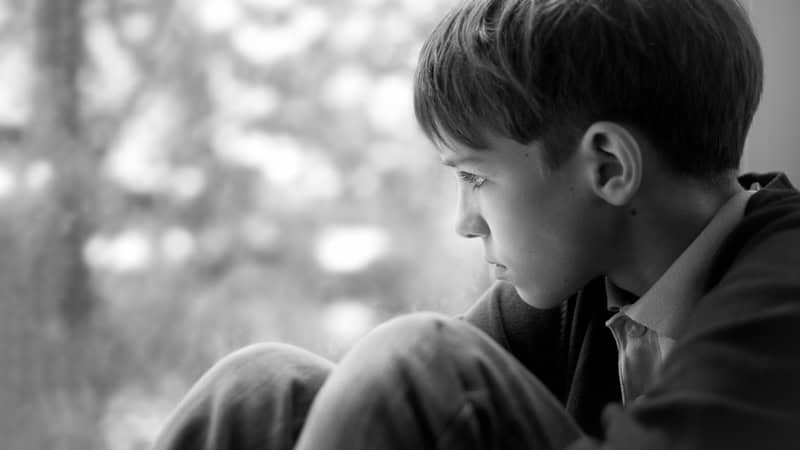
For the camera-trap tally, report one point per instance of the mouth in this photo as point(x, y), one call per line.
point(499, 270)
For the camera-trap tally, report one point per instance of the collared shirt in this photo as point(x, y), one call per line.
point(645, 329)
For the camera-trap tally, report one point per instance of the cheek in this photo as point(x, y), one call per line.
point(576, 254)
point(534, 218)
point(511, 218)
point(523, 229)
point(553, 237)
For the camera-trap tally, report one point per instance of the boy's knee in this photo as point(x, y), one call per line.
point(265, 365)
point(263, 356)
point(410, 328)
point(262, 391)
point(422, 348)
point(412, 334)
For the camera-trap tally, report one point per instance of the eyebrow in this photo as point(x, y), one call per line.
point(453, 162)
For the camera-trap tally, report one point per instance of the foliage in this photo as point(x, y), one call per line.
point(251, 171)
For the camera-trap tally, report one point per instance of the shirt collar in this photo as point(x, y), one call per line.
point(666, 304)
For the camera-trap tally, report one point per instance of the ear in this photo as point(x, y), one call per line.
point(613, 162)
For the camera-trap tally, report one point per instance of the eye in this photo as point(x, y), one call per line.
point(475, 180)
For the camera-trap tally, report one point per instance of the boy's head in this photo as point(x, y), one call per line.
point(575, 124)
point(687, 74)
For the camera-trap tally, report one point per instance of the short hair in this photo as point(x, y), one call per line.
point(687, 74)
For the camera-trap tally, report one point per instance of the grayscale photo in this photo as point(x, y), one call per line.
point(399, 224)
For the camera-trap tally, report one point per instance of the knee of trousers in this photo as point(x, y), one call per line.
point(265, 366)
point(427, 327)
point(260, 384)
point(255, 376)
point(414, 337)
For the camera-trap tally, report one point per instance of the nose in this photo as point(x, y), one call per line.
point(469, 221)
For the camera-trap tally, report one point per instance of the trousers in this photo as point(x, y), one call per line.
point(421, 381)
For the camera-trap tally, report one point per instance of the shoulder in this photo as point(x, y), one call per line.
point(767, 237)
point(524, 331)
point(487, 312)
point(753, 293)
point(736, 364)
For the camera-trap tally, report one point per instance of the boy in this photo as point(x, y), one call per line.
point(647, 298)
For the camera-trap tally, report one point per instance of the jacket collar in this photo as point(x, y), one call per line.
point(664, 307)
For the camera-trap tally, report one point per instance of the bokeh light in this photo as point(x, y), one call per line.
point(346, 320)
point(344, 249)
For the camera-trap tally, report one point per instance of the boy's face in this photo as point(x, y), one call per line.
point(537, 225)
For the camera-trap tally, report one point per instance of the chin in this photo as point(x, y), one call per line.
point(539, 298)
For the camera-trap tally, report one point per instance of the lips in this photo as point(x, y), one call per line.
point(493, 263)
point(499, 270)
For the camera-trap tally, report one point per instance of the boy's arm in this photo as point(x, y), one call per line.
point(733, 379)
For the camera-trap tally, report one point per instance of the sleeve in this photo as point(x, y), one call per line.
point(731, 381)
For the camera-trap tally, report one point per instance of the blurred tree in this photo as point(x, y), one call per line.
point(48, 296)
point(190, 177)
point(57, 137)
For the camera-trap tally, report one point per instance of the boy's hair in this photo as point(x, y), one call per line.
point(687, 74)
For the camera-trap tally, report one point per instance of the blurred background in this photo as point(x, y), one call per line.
point(180, 178)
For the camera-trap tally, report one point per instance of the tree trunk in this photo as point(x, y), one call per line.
point(44, 282)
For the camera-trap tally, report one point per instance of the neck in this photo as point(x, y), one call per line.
point(665, 224)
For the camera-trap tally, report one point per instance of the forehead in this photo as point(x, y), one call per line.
point(452, 153)
point(454, 158)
